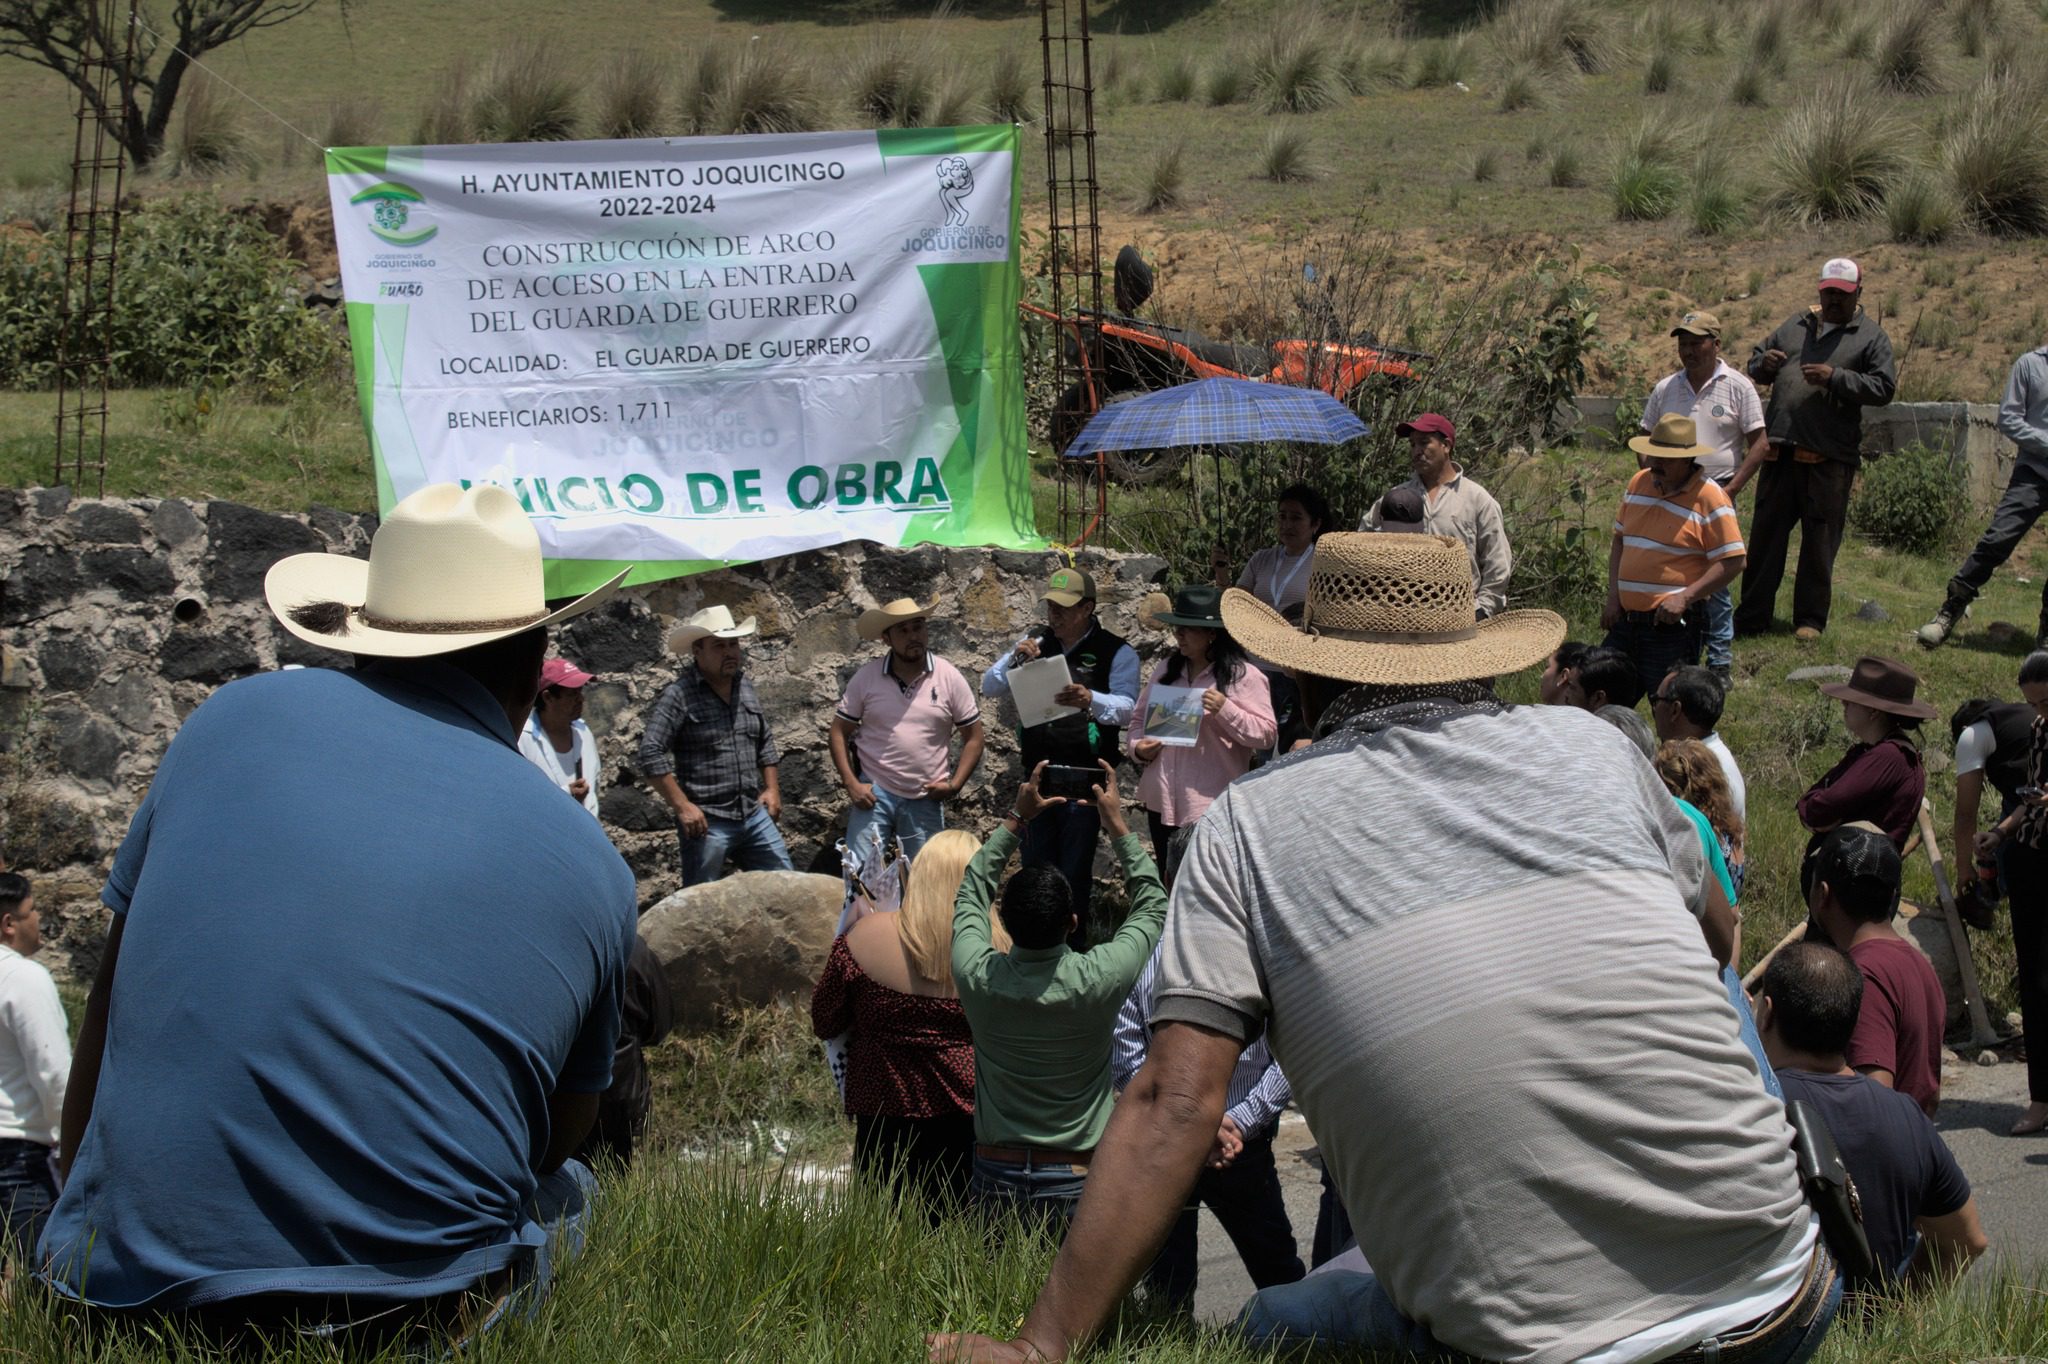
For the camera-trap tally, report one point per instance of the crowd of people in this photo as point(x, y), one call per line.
point(1419, 915)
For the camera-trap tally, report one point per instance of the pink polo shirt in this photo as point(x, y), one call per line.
point(906, 732)
point(1179, 784)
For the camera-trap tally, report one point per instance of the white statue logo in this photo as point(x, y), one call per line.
point(956, 182)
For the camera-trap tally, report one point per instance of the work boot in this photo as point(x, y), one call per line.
point(1944, 623)
point(1806, 634)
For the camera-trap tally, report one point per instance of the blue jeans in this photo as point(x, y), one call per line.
point(1064, 838)
point(1344, 1309)
point(28, 1187)
point(909, 820)
point(753, 843)
point(1043, 1192)
point(1657, 649)
point(1720, 630)
point(1750, 1038)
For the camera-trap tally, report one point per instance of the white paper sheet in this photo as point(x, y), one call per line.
point(1033, 686)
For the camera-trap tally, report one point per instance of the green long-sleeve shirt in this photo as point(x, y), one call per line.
point(1043, 1016)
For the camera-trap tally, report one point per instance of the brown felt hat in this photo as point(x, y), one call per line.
point(1883, 684)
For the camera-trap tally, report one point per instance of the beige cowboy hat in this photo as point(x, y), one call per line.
point(1673, 437)
point(450, 568)
point(1392, 610)
point(876, 619)
point(713, 622)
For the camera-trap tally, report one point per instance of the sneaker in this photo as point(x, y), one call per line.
point(1806, 634)
point(1943, 625)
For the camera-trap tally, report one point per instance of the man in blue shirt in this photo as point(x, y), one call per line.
point(360, 992)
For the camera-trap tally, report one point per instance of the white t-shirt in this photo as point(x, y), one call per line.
point(561, 768)
point(1724, 410)
point(1278, 579)
point(1974, 747)
point(35, 1051)
point(1736, 790)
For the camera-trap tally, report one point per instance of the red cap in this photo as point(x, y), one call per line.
point(1843, 274)
point(560, 672)
point(1432, 423)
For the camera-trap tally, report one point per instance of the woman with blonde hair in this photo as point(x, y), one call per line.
point(910, 1058)
point(1694, 775)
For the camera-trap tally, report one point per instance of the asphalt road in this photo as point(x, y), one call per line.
point(2009, 1176)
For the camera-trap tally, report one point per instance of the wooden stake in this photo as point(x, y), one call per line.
point(1982, 1033)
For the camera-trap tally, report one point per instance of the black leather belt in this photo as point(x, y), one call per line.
point(1747, 1341)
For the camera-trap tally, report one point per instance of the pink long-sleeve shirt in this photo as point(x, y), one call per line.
point(1179, 784)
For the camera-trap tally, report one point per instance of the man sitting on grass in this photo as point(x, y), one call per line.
point(1043, 1015)
point(1908, 1178)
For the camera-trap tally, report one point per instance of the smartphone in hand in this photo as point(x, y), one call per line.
point(1075, 783)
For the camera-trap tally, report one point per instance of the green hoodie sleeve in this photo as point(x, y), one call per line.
point(1124, 956)
point(972, 948)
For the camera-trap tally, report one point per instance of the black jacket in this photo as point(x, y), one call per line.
point(1828, 420)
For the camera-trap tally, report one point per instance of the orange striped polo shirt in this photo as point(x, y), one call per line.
point(1669, 540)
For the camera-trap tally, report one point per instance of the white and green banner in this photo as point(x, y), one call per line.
point(682, 353)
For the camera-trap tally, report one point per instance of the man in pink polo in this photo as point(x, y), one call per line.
point(892, 736)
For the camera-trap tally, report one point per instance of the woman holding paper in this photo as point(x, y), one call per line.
point(1200, 719)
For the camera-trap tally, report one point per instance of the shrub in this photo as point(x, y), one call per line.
point(1527, 86)
point(1994, 157)
point(1644, 191)
point(352, 122)
point(1557, 34)
point(212, 138)
point(1661, 73)
point(1225, 82)
point(751, 87)
point(629, 94)
point(1285, 157)
point(1905, 58)
point(1751, 86)
point(444, 117)
point(1486, 166)
point(528, 95)
point(1293, 71)
point(1911, 500)
point(1834, 156)
point(1566, 170)
point(1178, 78)
point(1443, 61)
point(1011, 87)
point(1162, 188)
point(1921, 209)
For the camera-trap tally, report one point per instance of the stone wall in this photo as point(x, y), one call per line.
point(118, 618)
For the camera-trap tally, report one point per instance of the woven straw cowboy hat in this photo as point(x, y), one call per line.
point(713, 622)
point(876, 619)
point(450, 568)
point(1392, 610)
point(1671, 438)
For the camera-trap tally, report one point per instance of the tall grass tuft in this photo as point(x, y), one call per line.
point(1751, 87)
point(1859, 40)
point(1677, 28)
point(1011, 88)
point(1177, 79)
point(1658, 136)
point(1905, 59)
point(1525, 85)
point(1566, 170)
point(1661, 73)
point(1486, 166)
point(1558, 34)
point(1921, 210)
point(1716, 204)
point(1164, 179)
point(212, 138)
point(1644, 191)
point(1835, 155)
point(444, 117)
point(1285, 157)
point(352, 121)
point(1294, 69)
point(528, 94)
point(1977, 24)
point(629, 100)
point(1366, 65)
point(1225, 82)
point(891, 79)
point(1765, 42)
point(755, 86)
point(1443, 61)
point(1994, 156)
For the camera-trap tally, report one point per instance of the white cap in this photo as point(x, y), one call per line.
point(1841, 273)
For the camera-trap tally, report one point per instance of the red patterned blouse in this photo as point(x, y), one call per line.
point(910, 1056)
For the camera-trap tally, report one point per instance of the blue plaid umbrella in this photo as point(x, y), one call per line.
point(1218, 412)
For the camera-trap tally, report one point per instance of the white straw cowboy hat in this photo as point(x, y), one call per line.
point(876, 619)
point(713, 622)
point(450, 568)
point(1392, 610)
point(1673, 437)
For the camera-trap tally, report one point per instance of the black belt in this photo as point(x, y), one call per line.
point(1732, 1347)
point(1651, 618)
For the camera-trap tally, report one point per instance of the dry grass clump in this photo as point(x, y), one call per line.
point(1164, 179)
point(444, 117)
point(755, 86)
point(1645, 179)
point(1557, 34)
point(1294, 67)
point(1715, 201)
point(629, 102)
point(1285, 157)
point(1921, 210)
point(1369, 64)
point(891, 80)
point(1993, 156)
point(1225, 82)
point(1834, 156)
point(529, 94)
point(1566, 170)
point(1526, 85)
point(1177, 79)
point(1443, 61)
point(1011, 87)
point(1905, 59)
point(1752, 84)
point(1764, 44)
point(212, 137)
point(1661, 74)
point(352, 121)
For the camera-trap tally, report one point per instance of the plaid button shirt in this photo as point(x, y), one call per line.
point(714, 749)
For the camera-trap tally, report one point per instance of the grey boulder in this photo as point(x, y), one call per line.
point(754, 938)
